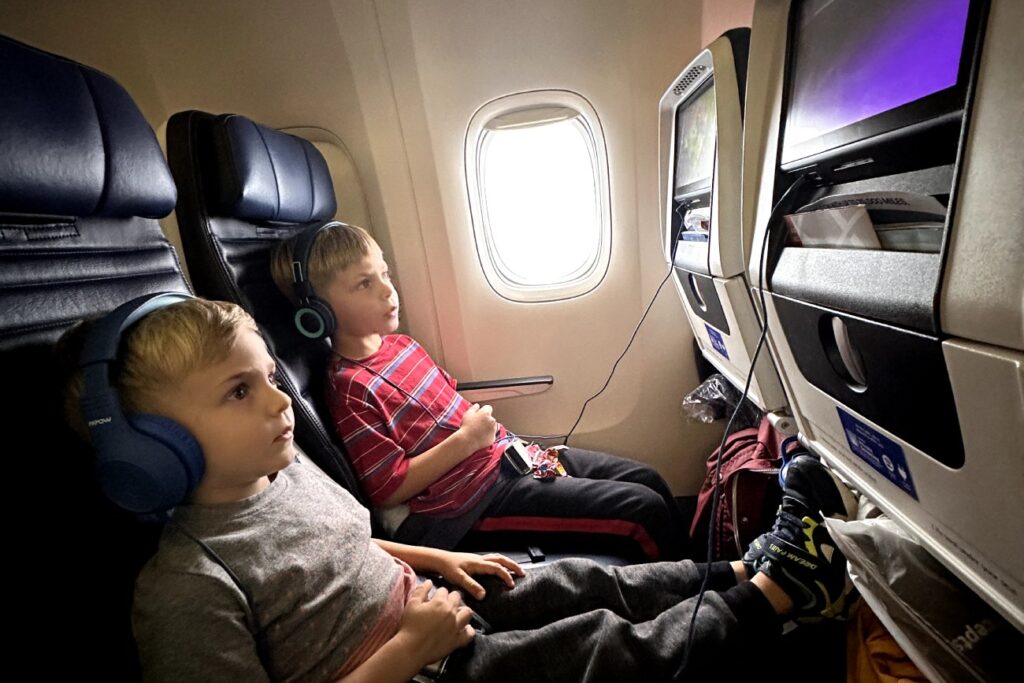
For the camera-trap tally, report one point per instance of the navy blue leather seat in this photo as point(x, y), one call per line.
point(82, 180)
point(242, 188)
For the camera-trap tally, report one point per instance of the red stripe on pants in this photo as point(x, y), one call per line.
point(613, 527)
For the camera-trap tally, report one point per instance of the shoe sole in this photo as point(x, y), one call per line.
point(850, 503)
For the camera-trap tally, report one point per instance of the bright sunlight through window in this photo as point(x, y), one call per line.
point(541, 210)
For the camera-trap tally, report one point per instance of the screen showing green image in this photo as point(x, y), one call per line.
point(696, 133)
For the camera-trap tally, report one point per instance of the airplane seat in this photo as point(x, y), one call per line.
point(708, 234)
point(243, 188)
point(903, 363)
point(82, 182)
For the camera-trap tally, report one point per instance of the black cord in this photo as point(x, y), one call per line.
point(672, 260)
point(622, 355)
point(540, 437)
point(565, 437)
point(784, 203)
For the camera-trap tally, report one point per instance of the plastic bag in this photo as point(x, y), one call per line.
point(950, 633)
point(715, 399)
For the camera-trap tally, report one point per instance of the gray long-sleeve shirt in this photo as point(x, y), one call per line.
point(301, 547)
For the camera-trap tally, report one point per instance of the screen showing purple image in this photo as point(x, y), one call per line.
point(855, 59)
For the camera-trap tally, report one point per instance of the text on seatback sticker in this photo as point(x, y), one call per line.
point(716, 340)
point(876, 449)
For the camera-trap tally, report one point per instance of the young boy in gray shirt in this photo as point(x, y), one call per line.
point(267, 570)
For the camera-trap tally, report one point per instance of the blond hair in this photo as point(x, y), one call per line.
point(335, 248)
point(156, 353)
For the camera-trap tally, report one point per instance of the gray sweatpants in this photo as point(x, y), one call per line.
point(578, 621)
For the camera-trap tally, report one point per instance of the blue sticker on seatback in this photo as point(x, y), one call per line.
point(879, 451)
point(716, 340)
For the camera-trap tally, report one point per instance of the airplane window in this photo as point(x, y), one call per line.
point(538, 183)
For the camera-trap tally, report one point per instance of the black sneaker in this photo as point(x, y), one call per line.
point(798, 553)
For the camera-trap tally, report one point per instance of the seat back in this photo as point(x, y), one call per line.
point(82, 180)
point(242, 188)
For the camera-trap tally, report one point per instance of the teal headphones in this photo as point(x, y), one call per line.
point(314, 317)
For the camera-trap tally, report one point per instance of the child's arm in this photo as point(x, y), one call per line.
point(455, 568)
point(389, 476)
point(476, 431)
point(432, 627)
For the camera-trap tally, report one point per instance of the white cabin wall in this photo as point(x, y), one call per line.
point(93, 32)
point(718, 16)
point(620, 56)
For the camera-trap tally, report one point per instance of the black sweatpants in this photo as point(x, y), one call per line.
point(605, 494)
point(578, 621)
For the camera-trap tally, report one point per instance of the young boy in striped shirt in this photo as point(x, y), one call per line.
point(430, 461)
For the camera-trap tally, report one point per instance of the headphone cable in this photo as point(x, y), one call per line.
point(611, 374)
point(673, 245)
point(784, 204)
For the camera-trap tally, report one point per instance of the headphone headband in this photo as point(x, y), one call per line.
point(104, 339)
point(300, 257)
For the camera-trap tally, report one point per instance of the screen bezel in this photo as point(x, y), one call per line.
point(702, 185)
point(919, 114)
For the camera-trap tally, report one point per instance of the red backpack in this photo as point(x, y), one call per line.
point(750, 492)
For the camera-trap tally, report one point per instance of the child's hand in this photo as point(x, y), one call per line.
point(437, 624)
point(478, 427)
point(457, 567)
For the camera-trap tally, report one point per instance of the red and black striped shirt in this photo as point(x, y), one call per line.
point(393, 406)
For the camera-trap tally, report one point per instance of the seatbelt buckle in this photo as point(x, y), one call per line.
point(519, 457)
point(432, 672)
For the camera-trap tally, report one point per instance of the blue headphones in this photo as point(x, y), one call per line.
point(144, 463)
point(314, 318)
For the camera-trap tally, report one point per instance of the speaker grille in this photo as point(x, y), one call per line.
point(688, 79)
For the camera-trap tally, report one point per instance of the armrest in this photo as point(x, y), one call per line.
point(494, 389)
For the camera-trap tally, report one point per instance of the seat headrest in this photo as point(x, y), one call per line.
point(73, 143)
point(267, 175)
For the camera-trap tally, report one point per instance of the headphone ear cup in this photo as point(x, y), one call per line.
point(315, 319)
point(153, 465)
point(327, 313)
